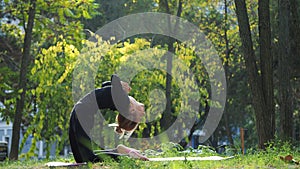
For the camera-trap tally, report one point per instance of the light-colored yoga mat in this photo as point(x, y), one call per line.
point(210, 158)
point(63, 164)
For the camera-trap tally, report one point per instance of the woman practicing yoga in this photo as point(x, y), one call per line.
point(112, 95)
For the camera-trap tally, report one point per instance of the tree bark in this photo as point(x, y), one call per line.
point(294, 38)
point(285, 99)
point(228, 75)
point(22, 83)
point(266, 59)
point(258, 85)
point(168, 117)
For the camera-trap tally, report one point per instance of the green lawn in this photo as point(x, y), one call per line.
point(253, 159)
point(260, 160)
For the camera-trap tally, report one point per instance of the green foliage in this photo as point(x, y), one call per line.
point(145, 67)
point(57, 39)
point(52, 74)
point(114, 9)
point(7, 92)
point(212, 20)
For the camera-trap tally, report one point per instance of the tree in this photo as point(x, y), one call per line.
point(22, 81)
point(114, 9)
point(220, 27)
point(168, 117)
point(294, 61)
point(294, 29)
point(43, 23)
point(260, 84)
point(226, 65)
point(284, 72)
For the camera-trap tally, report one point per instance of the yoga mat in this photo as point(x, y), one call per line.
point(63, 164)
point(210, 158)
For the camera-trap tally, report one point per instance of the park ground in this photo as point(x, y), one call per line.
point(271, 158)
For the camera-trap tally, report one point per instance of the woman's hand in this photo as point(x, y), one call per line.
point(125, 87)
point(136, 154)
point(133, 153)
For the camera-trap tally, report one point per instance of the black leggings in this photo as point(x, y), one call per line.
point(81, 144)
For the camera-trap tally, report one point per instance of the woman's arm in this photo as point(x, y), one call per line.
point(119, 96)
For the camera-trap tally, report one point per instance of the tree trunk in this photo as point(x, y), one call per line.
point(294, 38)
point(266, 59)
point(22, 83)
point(168, 117)
point(258, 85)
point(228, 75)
point(295, 51)
point(285, 99)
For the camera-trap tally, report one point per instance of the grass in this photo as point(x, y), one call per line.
point(253, 159)
point(261, 160)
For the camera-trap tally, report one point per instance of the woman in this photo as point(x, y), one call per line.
point(114, 96)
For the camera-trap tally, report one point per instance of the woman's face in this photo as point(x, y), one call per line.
point(137, 109)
